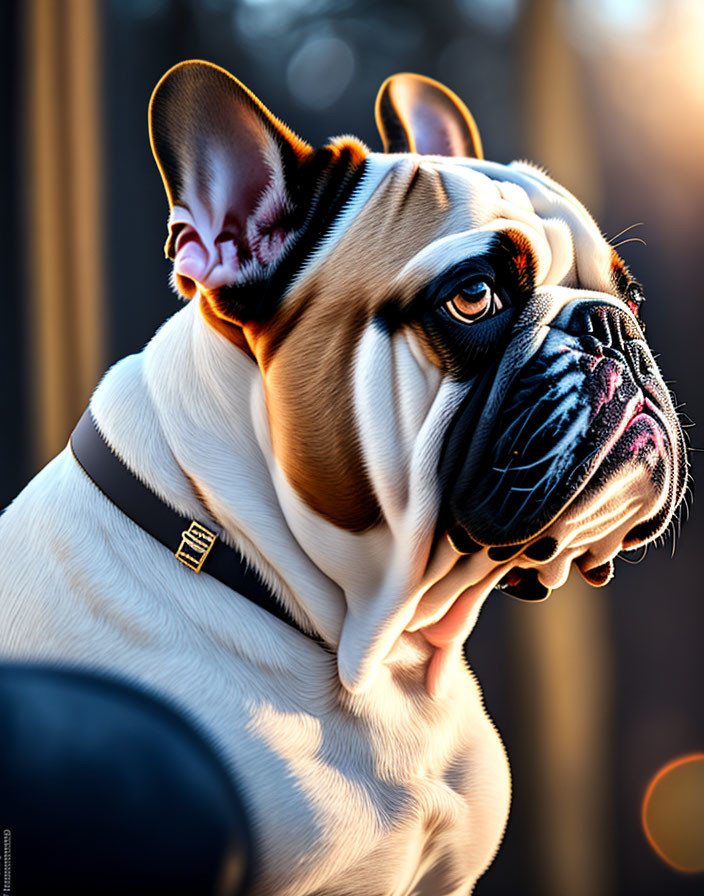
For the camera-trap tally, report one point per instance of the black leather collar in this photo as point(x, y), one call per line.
point(192, 543)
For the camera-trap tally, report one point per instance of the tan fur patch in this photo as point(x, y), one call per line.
point(523, 259)
point(620, 275)
point(227, 328)
point(306, 352)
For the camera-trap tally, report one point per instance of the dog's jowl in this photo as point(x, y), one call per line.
point(400, 380)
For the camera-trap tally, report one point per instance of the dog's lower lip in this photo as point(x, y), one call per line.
point(644, 532)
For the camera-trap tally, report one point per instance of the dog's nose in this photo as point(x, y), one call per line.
point(606, 330)
point(606, 323)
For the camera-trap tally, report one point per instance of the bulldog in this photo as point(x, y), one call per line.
point(401, 380)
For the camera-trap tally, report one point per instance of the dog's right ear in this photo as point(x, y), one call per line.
point(228, 167)
point(417, 114)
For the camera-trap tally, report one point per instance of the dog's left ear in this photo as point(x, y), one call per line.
point(229, 168)
point(416, 114)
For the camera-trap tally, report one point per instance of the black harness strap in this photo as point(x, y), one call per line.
point(191, 542)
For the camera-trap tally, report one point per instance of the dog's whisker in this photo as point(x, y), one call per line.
point(625, 230)
point(632, 239)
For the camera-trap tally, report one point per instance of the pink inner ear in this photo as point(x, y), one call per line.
point(436, 134)
point(191, 256)
point(266, 229)
point(207, 258)
point(211, 248)
point(270, 246)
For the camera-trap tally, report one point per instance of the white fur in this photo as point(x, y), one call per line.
point(376, 773)
point(344, 790)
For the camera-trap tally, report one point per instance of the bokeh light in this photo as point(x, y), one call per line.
point(494, 15)
point(673, 813)
point(320, 71)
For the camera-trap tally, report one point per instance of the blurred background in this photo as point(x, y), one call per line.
point(593, 691)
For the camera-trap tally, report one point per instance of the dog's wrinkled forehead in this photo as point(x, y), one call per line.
point(257, 213)
point(412, 217)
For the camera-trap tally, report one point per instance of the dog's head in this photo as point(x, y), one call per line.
point(458, 390)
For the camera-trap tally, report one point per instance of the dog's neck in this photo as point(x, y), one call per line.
point(189, 416)
point(183, 415)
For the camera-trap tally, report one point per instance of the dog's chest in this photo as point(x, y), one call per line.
point(346, 796)
point(353, 804)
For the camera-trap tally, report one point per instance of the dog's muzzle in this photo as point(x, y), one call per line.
point(588, 406)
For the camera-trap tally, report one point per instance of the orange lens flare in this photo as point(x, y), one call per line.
point(673, 813)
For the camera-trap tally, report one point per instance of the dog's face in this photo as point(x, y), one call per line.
point(455, 372)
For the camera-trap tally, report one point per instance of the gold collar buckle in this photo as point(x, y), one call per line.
point(196, 544)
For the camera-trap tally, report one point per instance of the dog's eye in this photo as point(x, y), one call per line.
point(475, 300)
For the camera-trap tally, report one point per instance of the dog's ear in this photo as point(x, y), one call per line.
point(228, 167)
point(416, 114)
